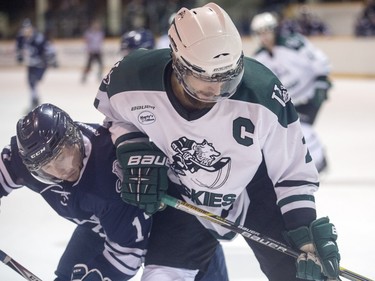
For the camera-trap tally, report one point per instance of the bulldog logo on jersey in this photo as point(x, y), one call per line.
point(194, 157)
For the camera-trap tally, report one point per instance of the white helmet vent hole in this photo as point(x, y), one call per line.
point(219, 55)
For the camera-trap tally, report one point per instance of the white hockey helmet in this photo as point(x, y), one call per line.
point(264, 22)
point(207, 52)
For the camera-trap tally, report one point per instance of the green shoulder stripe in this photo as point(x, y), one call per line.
point(141, 70)
point(261, 86)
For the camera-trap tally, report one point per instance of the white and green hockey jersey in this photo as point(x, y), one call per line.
point(299, 65)
point(214, 154)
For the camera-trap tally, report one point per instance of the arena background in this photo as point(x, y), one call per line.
point(35, 236)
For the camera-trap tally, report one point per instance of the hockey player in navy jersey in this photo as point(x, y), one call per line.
point(38, 53)
point(302, 68)
point(234, 146)
point(73, 167)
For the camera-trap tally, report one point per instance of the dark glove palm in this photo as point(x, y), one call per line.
point(145, 178)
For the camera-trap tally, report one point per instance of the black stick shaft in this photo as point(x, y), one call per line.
point(18, 268)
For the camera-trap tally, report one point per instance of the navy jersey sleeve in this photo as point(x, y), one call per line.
point(13, 173)
point(20, 42)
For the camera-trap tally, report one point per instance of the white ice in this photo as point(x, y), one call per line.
point(32, 234)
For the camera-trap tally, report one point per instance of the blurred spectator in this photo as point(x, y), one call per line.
point(365, 25)
point(135, 15)
point(304, 71)
point(163, 40)
point(94, 38)
point(37, 53)
point(306, 23)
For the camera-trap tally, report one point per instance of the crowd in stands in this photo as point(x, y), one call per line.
point(70, 18)
point(306, 23)
point(365, 25)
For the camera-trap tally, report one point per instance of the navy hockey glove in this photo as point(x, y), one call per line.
point(81, 273)
point(322, 257)
point(19, 59)
point(145, 178)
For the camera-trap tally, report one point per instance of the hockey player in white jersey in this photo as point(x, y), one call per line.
point(234, 147)
point(302, 68)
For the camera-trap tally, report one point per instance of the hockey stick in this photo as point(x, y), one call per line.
point(17, 267)
point(248, 233)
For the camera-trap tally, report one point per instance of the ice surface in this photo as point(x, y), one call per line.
point(35, 236)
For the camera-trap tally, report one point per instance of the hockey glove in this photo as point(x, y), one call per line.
point(321, 258)
point(81, 273)
point(145, 178)
point(19, 59)
point(322, 85)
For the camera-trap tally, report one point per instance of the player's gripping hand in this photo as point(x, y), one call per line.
point(145, 178)
point(81, 273)
point(321, 258)
point(19, 59)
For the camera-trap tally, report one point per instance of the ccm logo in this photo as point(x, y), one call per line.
point(147, 160)
point(36, 154)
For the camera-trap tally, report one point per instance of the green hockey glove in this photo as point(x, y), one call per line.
point(322, 86)
point(145, 178)
point(321, 258)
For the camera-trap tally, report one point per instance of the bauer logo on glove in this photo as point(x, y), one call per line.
point(145, 179)
point(146, 160)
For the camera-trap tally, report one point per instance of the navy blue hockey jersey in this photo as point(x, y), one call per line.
point(93, 201)
point(36, 51)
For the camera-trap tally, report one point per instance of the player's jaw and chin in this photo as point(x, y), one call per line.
point(188, 101)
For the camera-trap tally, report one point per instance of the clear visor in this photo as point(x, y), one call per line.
point(62, 161)
point(65, 166)
point(214, 88)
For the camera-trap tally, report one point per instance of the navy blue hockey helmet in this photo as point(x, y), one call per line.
point(41, 135)
point(135, 39)
point(26, 23)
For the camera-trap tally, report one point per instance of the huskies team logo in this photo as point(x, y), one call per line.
point(194, 157)
point(280, 94)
